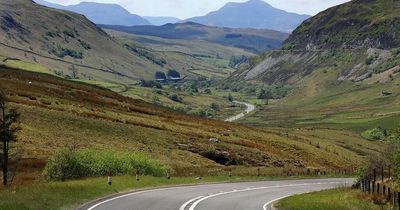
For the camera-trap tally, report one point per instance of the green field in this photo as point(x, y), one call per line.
point(321, 100)
point(342, 198)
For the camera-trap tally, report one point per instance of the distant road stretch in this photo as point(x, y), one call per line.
point(249, 108)
point(229, 196)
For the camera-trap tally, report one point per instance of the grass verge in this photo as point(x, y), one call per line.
point(341, 198)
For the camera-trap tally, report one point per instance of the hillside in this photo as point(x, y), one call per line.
point(70, 46)
point(100, 13)
point(344, 66)
point(158, 21)
point(252, 40)
point(57, 112)
point(251, 14)
point(360, 23)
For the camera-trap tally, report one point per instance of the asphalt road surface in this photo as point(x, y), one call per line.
point(229, 196)
point(249, 108)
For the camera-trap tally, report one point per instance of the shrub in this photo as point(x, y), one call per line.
point(69, 164)
point(375, 134)
point(369, 61)
point(63, 165)
point(176, 98)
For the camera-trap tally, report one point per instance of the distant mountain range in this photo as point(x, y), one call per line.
point(159, 21)
point(102, 13)
point(251, 14)
point(252, 40)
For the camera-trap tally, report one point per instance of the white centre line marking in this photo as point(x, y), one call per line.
point(194, 205)
point(189, 202)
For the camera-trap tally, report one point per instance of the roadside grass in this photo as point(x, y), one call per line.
point(71, 194)
point(341, 198)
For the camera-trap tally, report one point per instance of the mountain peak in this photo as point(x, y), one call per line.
point(251, 14)
point(100, 13)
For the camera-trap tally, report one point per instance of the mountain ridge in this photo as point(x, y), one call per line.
point(254, 40)
point(251, 14)
point(101, 13)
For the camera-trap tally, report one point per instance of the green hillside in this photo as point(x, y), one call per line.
point(65, 42)
point(344, 66)
point(357, 24)
point(56, 113)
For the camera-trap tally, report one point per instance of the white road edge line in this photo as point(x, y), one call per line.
point(190, 201)
point(133, 193)
point(265, 207)
point(259, 188)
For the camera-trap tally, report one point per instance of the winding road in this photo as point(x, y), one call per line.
point(249, 109)
point(228, 196)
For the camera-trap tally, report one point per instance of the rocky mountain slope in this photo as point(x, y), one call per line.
point(251, 14)
point(354, 25)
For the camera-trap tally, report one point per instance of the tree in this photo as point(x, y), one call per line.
point(8, 129)
point(173, 73)
point(75, 72)
point(230, 98)
point(160, 75)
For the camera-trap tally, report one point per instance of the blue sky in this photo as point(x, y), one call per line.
point(189, 8)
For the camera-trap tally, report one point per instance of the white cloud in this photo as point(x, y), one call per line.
point(190, 8)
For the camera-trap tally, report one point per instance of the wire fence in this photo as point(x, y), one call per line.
point(380, 186)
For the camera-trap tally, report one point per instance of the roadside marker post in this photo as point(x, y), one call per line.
point(137, 175)
point(109, 177)
point(168, 174)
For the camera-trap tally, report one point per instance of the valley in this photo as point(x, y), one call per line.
point(226, 97)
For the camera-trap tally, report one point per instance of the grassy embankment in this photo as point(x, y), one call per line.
point(342, 198)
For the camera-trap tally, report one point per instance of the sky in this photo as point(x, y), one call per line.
point(189, 8)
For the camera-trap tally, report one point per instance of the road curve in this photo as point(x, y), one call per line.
point(249, 108)
point(228, 196)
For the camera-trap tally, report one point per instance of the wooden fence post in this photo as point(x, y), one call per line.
point(384, 190)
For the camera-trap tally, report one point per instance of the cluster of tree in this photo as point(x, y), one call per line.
point(172, 73)
point(146, 54)
point(150, 84)
point(62, 52)
point(259, 90)
point(236, 61)
point(195, 85)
